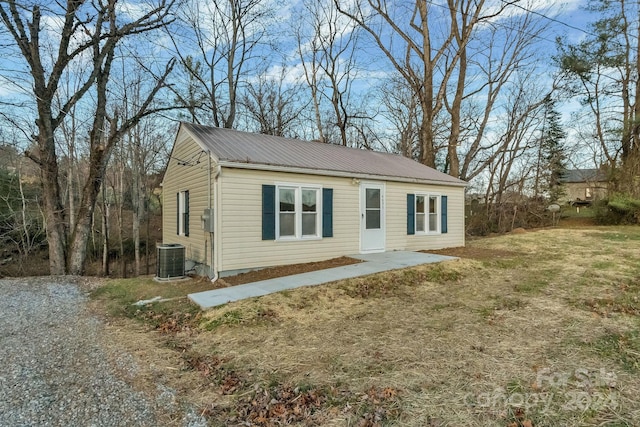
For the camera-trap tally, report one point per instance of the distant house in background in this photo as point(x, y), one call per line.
point(239, 201)
point(584, 185)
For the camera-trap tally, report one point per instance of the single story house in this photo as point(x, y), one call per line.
point(584, 185)
point(239, 201)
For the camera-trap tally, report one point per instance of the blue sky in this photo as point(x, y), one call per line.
point(567, 18)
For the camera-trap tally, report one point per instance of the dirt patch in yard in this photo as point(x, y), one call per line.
point(286, 270)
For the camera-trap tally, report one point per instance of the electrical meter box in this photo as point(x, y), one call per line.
point(208, 220)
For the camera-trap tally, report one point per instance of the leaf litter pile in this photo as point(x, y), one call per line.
point(283, 404)
point(519, 339)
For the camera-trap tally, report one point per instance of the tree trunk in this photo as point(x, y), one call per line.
point(428, 154)
point(105, 233)
point(54, 211)
point(105, 239)
point(454, 136)
point(79, 245)
point(137, 196)
point(146, 245)
point(136, 240)
point(80, 236)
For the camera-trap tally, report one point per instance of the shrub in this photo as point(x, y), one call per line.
point(619, 209)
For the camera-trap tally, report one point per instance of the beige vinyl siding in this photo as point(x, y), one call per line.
point(239, 214)
point(241, 242)
point(193, 177)
point(396, 205)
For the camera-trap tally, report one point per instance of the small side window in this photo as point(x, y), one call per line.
point(183, 213)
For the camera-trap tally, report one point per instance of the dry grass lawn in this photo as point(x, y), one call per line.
point(545, 333)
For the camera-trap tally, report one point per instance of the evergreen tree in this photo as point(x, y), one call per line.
point(553, 156)
point(602, 71)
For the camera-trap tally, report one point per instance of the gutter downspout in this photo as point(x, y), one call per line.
point(212, 235)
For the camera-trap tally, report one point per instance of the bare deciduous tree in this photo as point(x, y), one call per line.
point(436, 49)
point(88, 32)
point(273, 104)
point(226, 34)
point(402, 110)
point(327, 43)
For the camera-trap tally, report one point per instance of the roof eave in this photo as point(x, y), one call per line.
point(173, 147)
point(195, 138)
point(198, 141)
point(327, 172)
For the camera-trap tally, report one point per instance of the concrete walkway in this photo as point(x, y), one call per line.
point(373, 263)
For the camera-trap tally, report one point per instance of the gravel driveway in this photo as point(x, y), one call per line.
point(56, 369)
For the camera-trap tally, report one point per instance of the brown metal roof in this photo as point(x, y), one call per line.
point(248, 148)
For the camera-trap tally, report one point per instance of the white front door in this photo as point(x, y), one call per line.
point(372, 217)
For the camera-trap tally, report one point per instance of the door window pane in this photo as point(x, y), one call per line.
point(372, 198)
point(372, 219)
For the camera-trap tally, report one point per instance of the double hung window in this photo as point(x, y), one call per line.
point(427, 213)
point(298, 212)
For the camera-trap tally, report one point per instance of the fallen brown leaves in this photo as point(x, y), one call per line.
point(283, 404)
point(381, 406)
point(519, 419)
point(215, 369)
point(170, 322)
point(625, 301)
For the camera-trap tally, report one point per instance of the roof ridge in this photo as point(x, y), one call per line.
point(295, 140)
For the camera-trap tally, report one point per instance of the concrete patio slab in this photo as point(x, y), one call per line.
point(373, 263)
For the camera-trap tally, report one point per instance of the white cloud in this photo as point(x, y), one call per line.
point(549, 8)
point(291, 74)
point(133, 9)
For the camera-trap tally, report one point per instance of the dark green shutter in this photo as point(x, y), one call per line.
point(443, 214)
point(411, 214)
point(178, 213)
point(268, 212)
point(327, 212)
point(186, 213)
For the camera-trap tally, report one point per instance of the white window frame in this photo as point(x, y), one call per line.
point(298, 188)
point(181, 210)
point(427, 198)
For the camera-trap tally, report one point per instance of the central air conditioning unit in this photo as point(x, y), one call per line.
point(170, 264)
